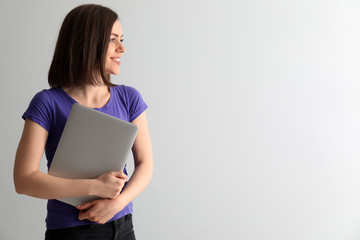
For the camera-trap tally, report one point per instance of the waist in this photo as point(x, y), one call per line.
point(95, 226)
point(62, 215)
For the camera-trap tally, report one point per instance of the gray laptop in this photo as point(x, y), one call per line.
point(91, 144)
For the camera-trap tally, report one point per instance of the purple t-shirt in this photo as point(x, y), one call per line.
point(50, 108)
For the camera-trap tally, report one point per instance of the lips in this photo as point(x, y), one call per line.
point(116, 60)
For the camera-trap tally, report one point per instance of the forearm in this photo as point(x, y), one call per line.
point(41, 185)
point(137, 183)
point(102, 210)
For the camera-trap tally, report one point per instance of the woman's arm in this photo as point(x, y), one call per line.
point(102, 210)
point(30, 181)
point(143, 159)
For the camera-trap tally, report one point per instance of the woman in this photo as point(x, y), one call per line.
point(88, 50)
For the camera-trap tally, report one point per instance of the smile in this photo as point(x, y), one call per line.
point(116, 60)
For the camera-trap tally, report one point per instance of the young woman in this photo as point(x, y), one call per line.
point(88, 50)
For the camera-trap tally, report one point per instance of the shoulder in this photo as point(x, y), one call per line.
point(40, 109)
point(127, 94)
point(132, 100)
point(126, 90)
point(43, 97)
point(51, 97)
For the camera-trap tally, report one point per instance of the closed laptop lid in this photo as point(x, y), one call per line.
point(91, 144)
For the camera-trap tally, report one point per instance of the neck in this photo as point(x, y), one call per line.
point(90, 96)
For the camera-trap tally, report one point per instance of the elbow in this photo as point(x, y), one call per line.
point(25, 184)
point(19, 189)
point(19, 184)
point(23, 181)
point(150, 170)
point(147, 169)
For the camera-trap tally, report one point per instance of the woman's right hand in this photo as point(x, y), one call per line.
point(110, 184)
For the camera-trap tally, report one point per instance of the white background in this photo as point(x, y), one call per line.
point(253, 111)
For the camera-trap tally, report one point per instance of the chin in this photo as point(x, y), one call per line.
point(113, 72)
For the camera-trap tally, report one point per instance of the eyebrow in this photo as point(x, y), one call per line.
point(117, 35)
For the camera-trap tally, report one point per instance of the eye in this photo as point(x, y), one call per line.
point(112, 40)
point(121, 40)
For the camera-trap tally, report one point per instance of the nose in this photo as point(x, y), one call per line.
point(120, 48)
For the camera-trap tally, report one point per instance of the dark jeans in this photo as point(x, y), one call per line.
point(121, 229)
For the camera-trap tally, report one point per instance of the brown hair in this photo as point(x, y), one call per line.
point(79, 57)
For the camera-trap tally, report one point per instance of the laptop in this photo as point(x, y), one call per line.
point(92, 143)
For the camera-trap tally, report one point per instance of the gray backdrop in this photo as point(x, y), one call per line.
point(254, 114)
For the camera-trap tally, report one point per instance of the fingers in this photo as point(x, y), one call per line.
point(110, 184)
point(119, 174)
point(86, 205)
point(83, 215)
point(120, 185)
point(83, 207)
point(100, 211)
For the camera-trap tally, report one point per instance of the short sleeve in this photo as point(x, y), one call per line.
point(39, 110)
point(136, 103)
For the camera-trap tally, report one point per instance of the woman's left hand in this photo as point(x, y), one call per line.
point(99, 210)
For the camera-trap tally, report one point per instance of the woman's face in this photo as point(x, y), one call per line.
point(115, 50)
